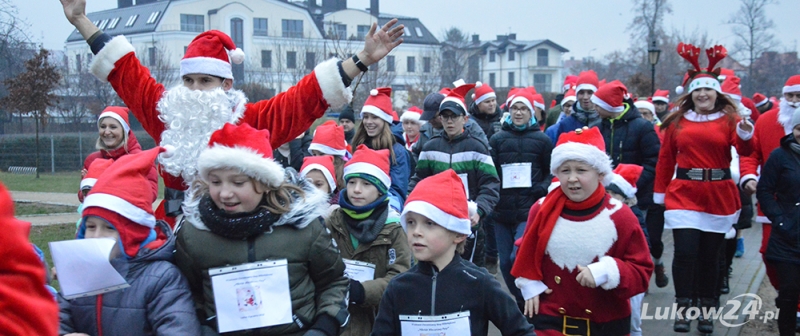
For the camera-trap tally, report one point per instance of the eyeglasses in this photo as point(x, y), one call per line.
point(449, 117)
point(523, 109)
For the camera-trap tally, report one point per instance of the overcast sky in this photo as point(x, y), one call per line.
point(585, 27)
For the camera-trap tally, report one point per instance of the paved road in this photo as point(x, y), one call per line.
point(51, 198)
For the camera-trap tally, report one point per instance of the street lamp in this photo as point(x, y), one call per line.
point(653, 53)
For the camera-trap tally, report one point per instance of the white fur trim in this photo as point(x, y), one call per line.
point(553, 186)
point(744, 135)
point(327, 150)
point(530, 288)
point(412, 116)
point(594, 236)
point(661, 99)
point(605, 272)
point(679, 89)
point(705, 82)
point(104, 61)
point(236, 55)
point(696, 117)
point(581, 152)
point(568, 99)
point(623, 184)
point(658, 198)
point(88, 183)
point(374, 110)
point(122, 207)
point(538, 104)
point(746, 178)
point(443, 219)
point(761, 103)
point(585, 86)
point(330, 83)
point(247, 160)
point(691, 219)
point(325, 172)
point(484, 96)
point(116, 117)
point(791, 88)
point(643, 104)
point(207, 66)
point(523, 100)
point(472, 208)
point(369, 169)
point(606, 106)
point(731, 233)
point(737, 98)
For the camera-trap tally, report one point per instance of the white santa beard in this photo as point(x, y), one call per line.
point(785, 114)
point(190, 116)
point(574, 244)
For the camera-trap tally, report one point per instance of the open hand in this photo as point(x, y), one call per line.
point(378, 43)
point(585, 277)
point(746, 126)
point(74, 10)
point(532, 304)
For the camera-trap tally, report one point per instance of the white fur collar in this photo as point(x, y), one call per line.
point(574, 244)
point(697, 117)
point(785, 113)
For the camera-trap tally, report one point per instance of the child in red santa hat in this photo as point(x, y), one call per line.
point(583, 255)
point(158, 301)
point(320, 171)
point(329, 140)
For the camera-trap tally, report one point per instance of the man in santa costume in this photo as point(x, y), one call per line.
point(185, 116)
point(583, 254)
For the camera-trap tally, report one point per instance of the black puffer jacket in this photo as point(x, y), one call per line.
point(490, 123)
point(510, 146)
point(632, 139)
point(778, 194)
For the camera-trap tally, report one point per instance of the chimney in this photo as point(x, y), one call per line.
point(512, 36)
point(374, 8)
point(333, 5)
point(476, 39)
point(502, 38)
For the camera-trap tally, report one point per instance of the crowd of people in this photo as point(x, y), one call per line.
point(398, 224)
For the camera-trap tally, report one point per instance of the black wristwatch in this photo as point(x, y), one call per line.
point(361, 66)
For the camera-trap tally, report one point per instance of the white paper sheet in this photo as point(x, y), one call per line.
point(251, 296)
point(359, 270)
point(83, 267)
point(465, 181)
point(456, 324)
point(516, 175)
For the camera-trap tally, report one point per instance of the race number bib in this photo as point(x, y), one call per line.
point(359, 270)
point(456, 324)
point(516, 175)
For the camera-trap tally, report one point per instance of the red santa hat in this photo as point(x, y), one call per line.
point(538, 101)
point(759, 99)
point(661, 96)
point(329, 139)
point(725, 73)
point(525, 97)
point(699, 77)
point(96, 169)
point(379, 104)
point(610, 97)
point(28, 307)
point(454, 100)
point(585, 145)
point(792, 84)
point(211, 53)
point(511, 93)
point(370, 162)
point(644, 104)
point(123, 198)
point(412, 114)
point(482, 92)
point(442, 199)
point(324, 164)
point(569, 83)
point(244, 148)
point(119, 114)
point(587, 80)
point(625, 177)
point(732, 88)
point(570, 96)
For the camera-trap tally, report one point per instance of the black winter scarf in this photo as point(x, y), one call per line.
point(238, 226)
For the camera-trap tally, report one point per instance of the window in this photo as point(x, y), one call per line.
point(511, 79)
point(291, 59)
point(151, 56)
point(78, 64)
point(113, 23)
point(390, 63)
point(410, 65)
point(237, 35)
point(542, 81)
point(266, 58)
point(103, 24)
point(511, 55)
point(131, 20)
point(492, 56)
point(426, 64)
point(362, 32)
point(192, 23)
point(340, 30)
point(542, 57)
point(260, 27)
point(153, 17)
point(492, 79)
point(419, 31)
point(292, 28)
point(311, 60)
point(406, 31)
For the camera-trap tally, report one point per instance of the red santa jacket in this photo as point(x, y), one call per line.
point(286, 115)
point(766, 138)
point(132, 147)
point(610, 241)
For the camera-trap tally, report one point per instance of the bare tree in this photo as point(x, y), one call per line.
point(157, 60)
point(753, 30)
point(648, 22)
point(424, 83)
point(15, 49)
point(456, 53)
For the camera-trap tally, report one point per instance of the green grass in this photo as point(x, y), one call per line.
point(42, 235)
point(35, 208)
point(66, 182)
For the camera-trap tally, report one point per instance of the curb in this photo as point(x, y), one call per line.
point(755, 284)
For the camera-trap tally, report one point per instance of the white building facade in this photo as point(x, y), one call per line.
point(507, 62)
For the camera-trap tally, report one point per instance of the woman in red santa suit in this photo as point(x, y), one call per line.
point(583, 254)
point(185, 115)
point(702, 202)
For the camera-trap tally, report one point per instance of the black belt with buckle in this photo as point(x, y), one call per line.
point(579, 326)
point(703, 174)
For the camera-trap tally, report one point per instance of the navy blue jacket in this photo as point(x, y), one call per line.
point(778, 194)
